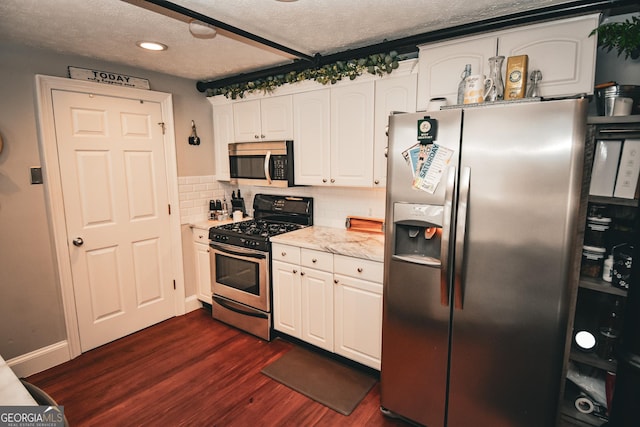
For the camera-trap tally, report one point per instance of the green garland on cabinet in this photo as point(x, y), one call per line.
point(377, 64)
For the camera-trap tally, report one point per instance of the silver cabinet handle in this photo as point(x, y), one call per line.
point(78, 241)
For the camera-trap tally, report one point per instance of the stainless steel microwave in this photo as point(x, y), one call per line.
point(267, 164)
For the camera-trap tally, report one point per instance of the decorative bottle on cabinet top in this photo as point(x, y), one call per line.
point(466, 73)
point(496, 93)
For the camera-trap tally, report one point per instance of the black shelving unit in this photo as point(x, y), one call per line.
point(593, 293)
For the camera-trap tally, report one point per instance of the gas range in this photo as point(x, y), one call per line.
point(241, 261)
point(273, 215)
point(252, 233)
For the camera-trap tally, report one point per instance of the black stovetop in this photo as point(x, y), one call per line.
point(273, 215)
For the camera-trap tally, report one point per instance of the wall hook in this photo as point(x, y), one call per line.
point(194, 139)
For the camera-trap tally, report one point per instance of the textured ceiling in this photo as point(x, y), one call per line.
point(108, 29)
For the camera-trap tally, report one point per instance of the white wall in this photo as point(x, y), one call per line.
point(31, 313)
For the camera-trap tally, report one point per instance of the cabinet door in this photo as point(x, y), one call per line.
point(392, 94)
point(440, 66)
point(246, 121)
point(352, 135)
point(561, 50)
point(277, 118)
point(317, 308)
point(203, 272)
point(358, 320)
point(286, 298)
point(312, 139)
point(222, 136)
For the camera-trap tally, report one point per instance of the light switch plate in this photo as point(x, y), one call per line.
point(36, 175)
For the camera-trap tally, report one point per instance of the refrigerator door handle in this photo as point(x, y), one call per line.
point(461, 231)
point(447, 218)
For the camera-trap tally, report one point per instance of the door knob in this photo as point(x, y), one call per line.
point(78, 241)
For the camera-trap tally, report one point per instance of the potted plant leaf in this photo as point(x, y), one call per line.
point(624, 37)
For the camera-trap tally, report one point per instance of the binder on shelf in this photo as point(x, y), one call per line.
point(628, 170)
point(605, 168)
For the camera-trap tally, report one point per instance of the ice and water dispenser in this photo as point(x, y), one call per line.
point(418, 233)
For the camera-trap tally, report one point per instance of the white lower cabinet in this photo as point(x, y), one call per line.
point(331, 301)
point(286, 298)
point(202, 264)
point(358, 310)
point(316, 273)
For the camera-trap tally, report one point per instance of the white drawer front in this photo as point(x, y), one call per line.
point(285, 253)
point(316, 259)
point(359, 268)
point(200, 235)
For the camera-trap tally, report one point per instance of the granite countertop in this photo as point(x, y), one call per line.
point(207, 224)
point(336, 240)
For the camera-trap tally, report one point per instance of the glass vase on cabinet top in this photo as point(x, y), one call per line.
point(496, 93)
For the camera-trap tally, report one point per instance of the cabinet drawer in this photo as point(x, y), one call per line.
point(290, 254)
point(359, 268)
point(316, 259)
point(200, 235)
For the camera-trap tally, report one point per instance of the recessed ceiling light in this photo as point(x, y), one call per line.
point(152, 45)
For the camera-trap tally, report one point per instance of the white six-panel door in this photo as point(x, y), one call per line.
point(114, 184)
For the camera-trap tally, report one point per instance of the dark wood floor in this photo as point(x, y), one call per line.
point(190, 371)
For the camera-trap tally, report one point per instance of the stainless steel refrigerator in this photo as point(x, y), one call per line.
point(480, 253)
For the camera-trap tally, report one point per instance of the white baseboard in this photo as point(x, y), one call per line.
point(52, 355)
point(40, 359)
point(192, 303)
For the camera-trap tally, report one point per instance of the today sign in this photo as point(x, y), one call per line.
point(108, 77)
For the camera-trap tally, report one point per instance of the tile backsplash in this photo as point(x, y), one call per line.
point(195, 193)
point(331, 205)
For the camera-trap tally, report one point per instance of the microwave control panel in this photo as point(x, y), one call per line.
point(279, 168)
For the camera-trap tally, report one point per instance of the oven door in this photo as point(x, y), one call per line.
point(241, 275)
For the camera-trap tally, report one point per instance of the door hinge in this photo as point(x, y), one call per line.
point(162, 125)
point(174, 285)
point(169, 206)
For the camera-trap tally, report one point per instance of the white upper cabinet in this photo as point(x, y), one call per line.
point(392, 94)
point(267, 119)
point(562, 50)
point(312, 139)
point(333, 142)
point(352, 135)
point(222, 136)
point(441, 65)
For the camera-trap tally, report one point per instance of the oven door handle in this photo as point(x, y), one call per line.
point(231, 307)
point(242, 253)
